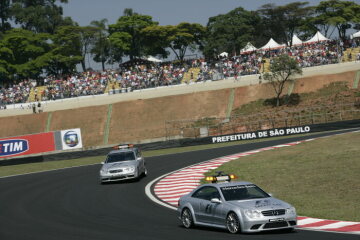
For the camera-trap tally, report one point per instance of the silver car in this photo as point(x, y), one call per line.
point(124, 163)
point(237, 207)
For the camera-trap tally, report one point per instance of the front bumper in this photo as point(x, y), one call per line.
point(113, 177)
point(269, 223)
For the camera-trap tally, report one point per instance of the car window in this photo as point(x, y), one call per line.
point(207, 193)
point(243, 192)
point(120, 157)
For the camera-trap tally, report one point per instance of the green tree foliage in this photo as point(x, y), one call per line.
point(282, 22)
point(39, 15)
point(22, 54)
point(230, 32)
point(4, 15)
point(87, 40)
point(129, 27)
point(101, 48)
point(283, 69)
point(66, 50)
point(340, 14)
point(179, 38)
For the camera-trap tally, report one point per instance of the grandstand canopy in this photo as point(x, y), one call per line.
point(272, 45)
point(153, 59)
point(248, 48)
point(356, 35)
point(296, 41)
point(318, 37)
point(224, 54)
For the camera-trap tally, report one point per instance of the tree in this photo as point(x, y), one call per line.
point(230, 32)
point(4, 15)
point(340, 14)
point(39, 15)
point(87, 40)
point(66, 51)
point(23, 54)
point(284, 21)
point(101, 46)
point(129, 27)
point(179, 38)
point(282, 69)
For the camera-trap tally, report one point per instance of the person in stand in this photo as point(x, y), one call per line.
point(34, 108)
point(39, 107)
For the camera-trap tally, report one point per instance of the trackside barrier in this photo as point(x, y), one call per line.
point(269, 133)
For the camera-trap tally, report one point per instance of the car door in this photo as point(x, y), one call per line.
point(207, 209)
point(141, 163)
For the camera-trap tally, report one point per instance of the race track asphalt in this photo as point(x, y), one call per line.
point(71, 204)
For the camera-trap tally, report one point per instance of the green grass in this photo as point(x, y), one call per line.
point(328, 91)
point(320, 178)
point(52, 165)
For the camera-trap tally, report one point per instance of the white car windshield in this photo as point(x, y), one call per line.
point(120, 157)
point(243, 192)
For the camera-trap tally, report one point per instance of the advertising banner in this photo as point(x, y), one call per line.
point(71, 139)
point(275, 132)
point(28, 144)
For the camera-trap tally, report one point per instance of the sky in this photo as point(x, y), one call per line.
point(166, 12)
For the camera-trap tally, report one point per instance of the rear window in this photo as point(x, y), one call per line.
point(120, 157)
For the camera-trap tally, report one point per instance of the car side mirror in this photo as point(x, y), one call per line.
point(139, 158)
point(215, 200)
point(271, 195)
point(102, 163)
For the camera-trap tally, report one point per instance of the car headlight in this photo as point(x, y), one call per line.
point(129, 169)
point(102, 171)
point(252, 213)
point(291, 211)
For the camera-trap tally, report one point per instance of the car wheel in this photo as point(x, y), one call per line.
point(232, 223)
point(186, 218)
point(145, 172)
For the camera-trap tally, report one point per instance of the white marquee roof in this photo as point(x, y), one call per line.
point(272, 45)
point(296, 40)
point(356, 35)
point(318, 37)
point(248, 48)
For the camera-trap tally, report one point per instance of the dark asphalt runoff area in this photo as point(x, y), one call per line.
point(71, 204)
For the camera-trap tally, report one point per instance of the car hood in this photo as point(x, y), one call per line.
point(261, 204)
point(117, 165)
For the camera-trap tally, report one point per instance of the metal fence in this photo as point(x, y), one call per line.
point(236, 124)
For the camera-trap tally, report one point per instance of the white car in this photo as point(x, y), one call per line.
point(126, 162)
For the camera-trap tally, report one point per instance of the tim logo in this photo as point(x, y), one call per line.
point(13, 146)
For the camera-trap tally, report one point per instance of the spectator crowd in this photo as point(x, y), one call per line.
point(146, 75)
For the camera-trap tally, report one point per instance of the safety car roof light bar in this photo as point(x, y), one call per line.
point(220, 177)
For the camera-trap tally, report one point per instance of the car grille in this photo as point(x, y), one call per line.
point(115, 171)
point(276, 225)
point(276, 212)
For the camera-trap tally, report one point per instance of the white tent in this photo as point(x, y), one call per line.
point(356, 35)
point(272, 45)
point(153, 59)
point(224, 54)
point(296, 41)
point(248, 48)
point(318, 37)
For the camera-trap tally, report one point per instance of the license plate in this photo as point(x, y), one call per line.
point(277, 220)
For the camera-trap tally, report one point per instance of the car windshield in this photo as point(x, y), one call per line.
point(243, 192)
point(120, 157)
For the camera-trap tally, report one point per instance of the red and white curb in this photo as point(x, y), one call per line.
point(170, 187)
